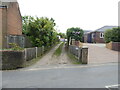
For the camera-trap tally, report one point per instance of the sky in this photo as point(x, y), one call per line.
point(86, 14)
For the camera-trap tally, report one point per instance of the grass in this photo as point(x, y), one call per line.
point(35, 60)
point(73, 59)
point(58, 51)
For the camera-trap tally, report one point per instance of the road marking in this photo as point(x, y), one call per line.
point(112, 86)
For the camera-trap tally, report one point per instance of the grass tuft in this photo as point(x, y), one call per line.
point(58, 51)
point(73, 59)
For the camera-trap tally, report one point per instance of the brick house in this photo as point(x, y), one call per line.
point(98, 35)
point(10, 24)
point(87, 36)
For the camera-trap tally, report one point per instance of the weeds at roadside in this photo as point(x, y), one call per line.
point(58, 51)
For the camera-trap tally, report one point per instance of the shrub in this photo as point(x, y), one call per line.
point(14, 46)
point(112, 35)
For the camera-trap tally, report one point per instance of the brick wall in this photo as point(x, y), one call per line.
point(97, 38)
point(12, 59)
point(14, 19)
point(0, 27)
point(3, 27)
point(109, 45)
point(113, 46)
point(116, 46)
point(10, 22)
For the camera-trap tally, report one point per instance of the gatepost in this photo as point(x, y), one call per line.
point(84, 55)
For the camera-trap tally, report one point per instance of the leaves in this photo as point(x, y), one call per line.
point(75, 33)
point(40, 30)
point(112, 35)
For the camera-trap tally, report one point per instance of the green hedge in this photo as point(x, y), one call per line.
point(112, 35)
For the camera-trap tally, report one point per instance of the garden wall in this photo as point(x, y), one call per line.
point(113, 46)
point(12, 59)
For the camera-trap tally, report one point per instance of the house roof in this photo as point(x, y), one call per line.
point(8, 3)
point(102, 29)
point(8, 0)
point(87, 31)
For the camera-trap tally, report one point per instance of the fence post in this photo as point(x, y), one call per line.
point(25, 54)
point(84, 55)
point(79, 54)
point(36, 51)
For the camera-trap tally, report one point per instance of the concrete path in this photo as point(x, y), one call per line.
point(98, 53)
point(48, 60)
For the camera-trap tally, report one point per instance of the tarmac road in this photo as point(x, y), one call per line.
point(67, 76)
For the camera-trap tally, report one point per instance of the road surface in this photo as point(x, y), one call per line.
point(52, 72)
point(80, 76)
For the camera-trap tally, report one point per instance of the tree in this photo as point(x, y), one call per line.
point(40, 30)
point(112, 35)
point(75, 33)
point(62, 35)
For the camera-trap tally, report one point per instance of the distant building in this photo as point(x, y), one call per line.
point(10, 24)
point(96, 36)
point(62, 39)
point(87, 37)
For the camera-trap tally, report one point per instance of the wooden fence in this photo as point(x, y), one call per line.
point(80, 52)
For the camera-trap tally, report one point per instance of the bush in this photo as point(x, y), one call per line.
point(112, 35)
point(14, 46)
point(75, 33)
point(41, 31)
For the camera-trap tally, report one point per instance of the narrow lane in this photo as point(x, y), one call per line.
point(49, 60)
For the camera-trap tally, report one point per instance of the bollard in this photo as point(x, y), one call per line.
point(84, 55)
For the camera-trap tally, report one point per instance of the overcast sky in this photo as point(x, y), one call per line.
point(86, 14)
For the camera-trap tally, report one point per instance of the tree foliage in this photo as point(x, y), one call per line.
point(40, 30)
point(62, 35)
point(112, 35)
point(75, 33)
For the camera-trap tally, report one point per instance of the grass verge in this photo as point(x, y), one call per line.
point(73, 59)
point(58, 51)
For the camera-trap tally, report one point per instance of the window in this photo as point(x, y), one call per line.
point(101, 35)
point(93, 35)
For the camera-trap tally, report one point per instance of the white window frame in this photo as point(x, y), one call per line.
point(93, 35)
point(101, 35)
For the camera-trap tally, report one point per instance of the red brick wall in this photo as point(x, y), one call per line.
point(14, 19)
point(3, 27)
point(0, 27)
point(98, 39)
point(10, 22)
point(113, 46)
point(116, 46)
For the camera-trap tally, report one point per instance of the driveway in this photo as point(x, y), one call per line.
point(98, 53)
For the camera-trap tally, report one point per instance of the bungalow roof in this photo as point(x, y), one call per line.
point(104, 28)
